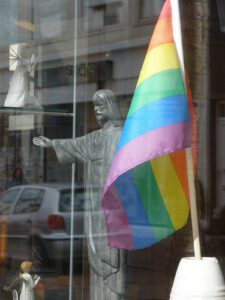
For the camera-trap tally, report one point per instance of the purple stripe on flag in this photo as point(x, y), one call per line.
point(118, 229)
point(161, 141)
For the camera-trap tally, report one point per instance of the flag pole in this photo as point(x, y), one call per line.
point(193, 206)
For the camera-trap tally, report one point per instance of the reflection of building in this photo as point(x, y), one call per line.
point(110, 47)
point(111, 37)
point(111, 41)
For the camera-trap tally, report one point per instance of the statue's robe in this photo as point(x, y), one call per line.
point(19, 85)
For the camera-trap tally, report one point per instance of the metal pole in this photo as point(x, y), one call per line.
point(73, 165)
point(193, 206)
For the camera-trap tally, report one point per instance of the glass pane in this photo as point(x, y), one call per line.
point(69, 72)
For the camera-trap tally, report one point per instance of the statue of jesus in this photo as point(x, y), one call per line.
point(96, 150)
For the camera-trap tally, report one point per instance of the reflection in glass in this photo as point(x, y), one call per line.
point(150, 8)
point(67, 56)
point(20, 93)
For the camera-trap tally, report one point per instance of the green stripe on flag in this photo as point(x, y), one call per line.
point(158, 86)
point(152, 201)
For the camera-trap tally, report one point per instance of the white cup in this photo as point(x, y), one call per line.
point(198, 279)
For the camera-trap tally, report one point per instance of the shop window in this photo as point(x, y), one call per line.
point(56, 57)
point(149, 8)
point(101, 14)
point(111, 14)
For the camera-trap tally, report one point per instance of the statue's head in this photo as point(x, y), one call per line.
point(26, 266)
point(105, 107)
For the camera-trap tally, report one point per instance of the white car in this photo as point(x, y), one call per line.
point(35, 221)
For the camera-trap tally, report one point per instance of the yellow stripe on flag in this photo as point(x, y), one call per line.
point(161, 58)
point(171, 190)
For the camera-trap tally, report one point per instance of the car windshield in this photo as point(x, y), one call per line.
point(6, 201)
point(29, 201)
point(65, 200)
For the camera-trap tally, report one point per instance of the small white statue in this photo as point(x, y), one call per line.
point(19, 93)
point(28, 283)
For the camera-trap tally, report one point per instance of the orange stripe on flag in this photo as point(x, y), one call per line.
point(193, 125)
point(180, 165)
point(160, 35)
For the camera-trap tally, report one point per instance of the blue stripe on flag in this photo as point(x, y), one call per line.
point(142, 233)
point(160, 113)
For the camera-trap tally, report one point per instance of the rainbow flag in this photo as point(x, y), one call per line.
point(146, 196)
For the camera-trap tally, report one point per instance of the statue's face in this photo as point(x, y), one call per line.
point(102, 111)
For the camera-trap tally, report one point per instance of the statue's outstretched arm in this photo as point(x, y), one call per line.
point(10, 287)
point(67, 150)
point(72, 149)
point(36, 279)
point(42, 141)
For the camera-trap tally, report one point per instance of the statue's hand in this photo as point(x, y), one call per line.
point(42, 141)
point(36, 277)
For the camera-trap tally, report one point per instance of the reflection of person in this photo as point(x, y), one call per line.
point(28, 282)
point(17, 178)
point(96, 149)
